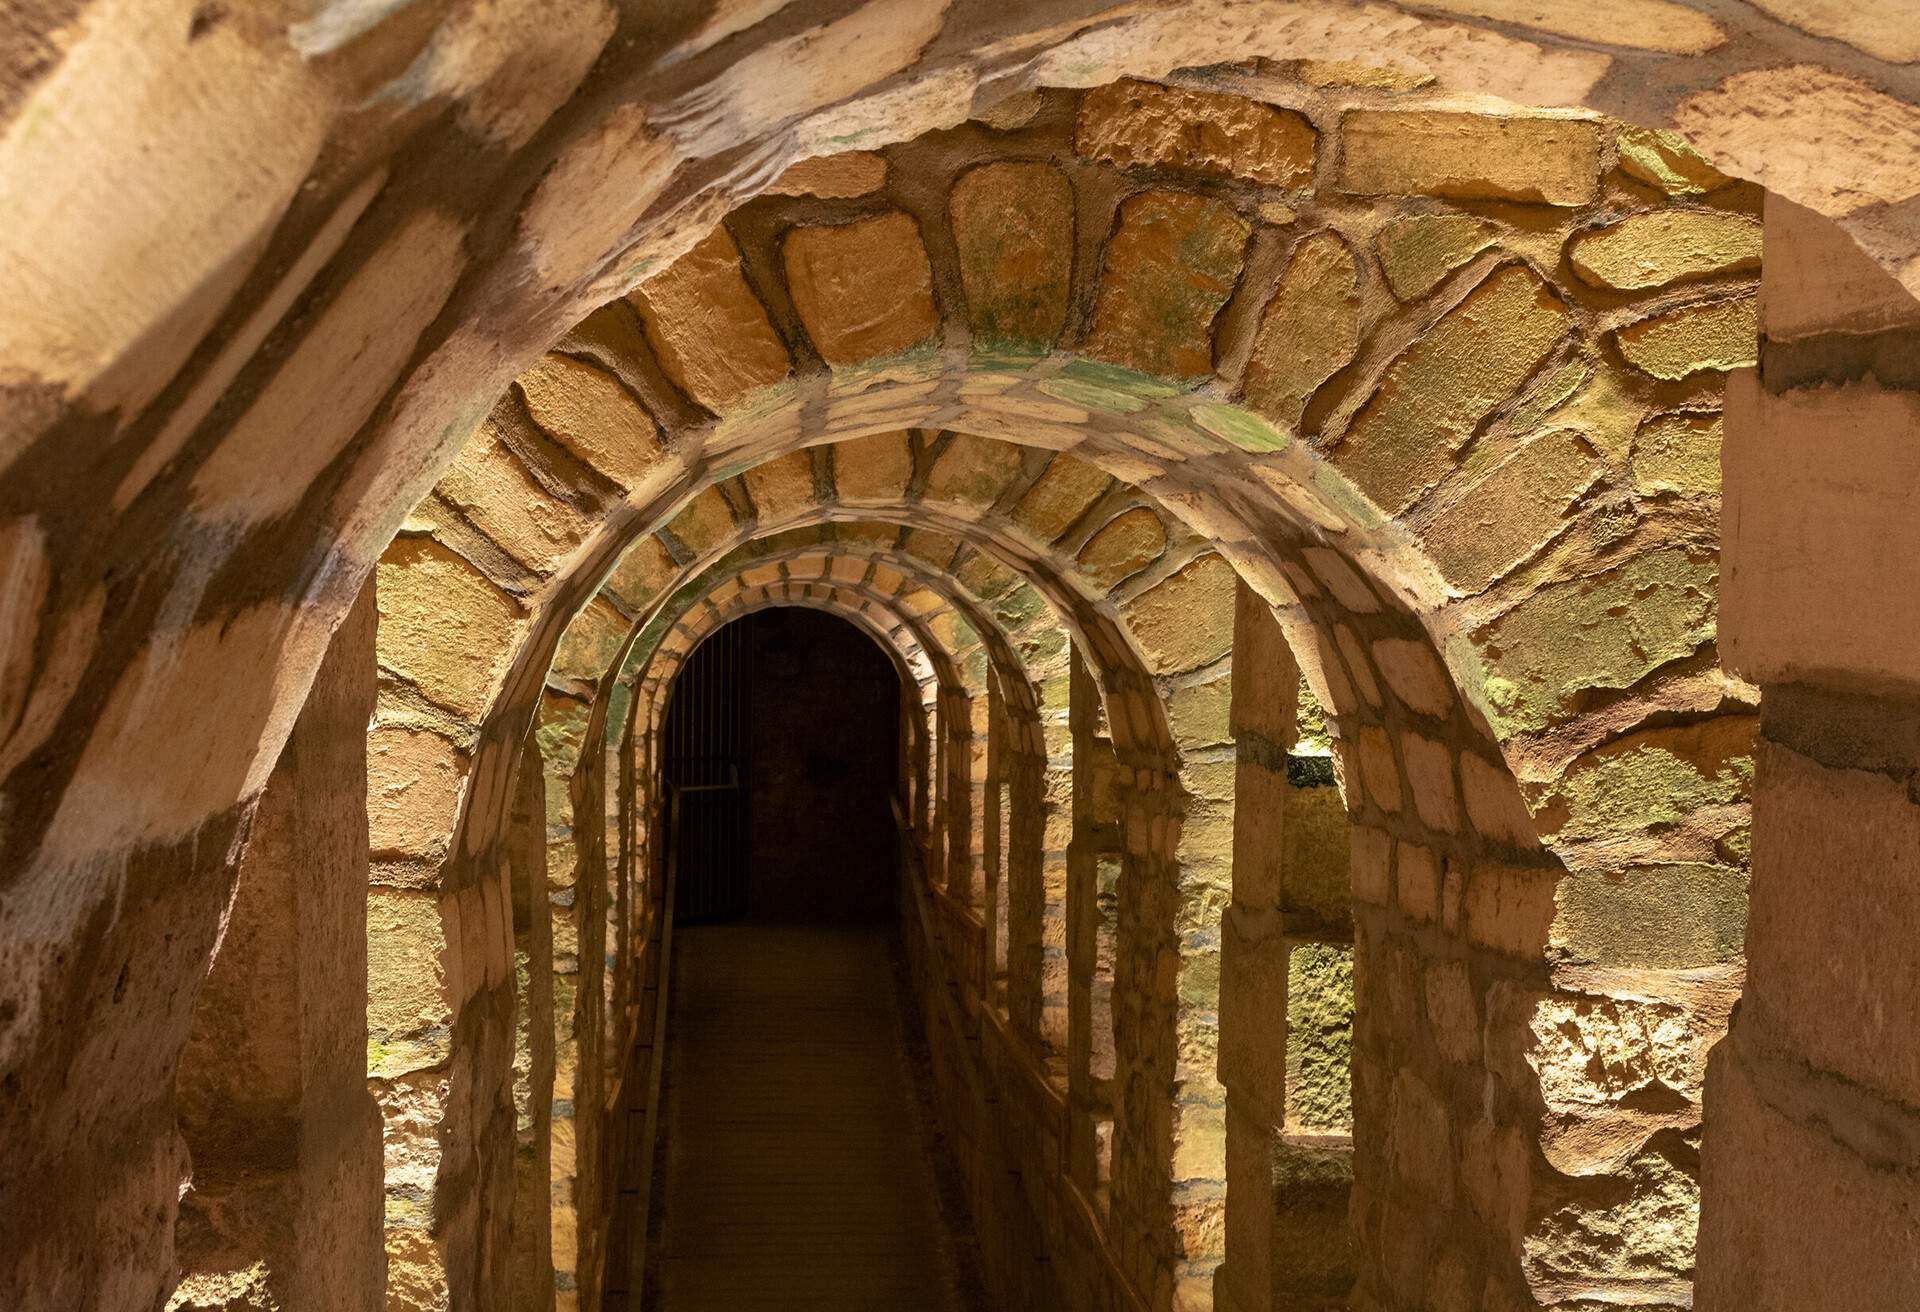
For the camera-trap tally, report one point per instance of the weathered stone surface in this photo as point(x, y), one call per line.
point(1417, 251)
point(1131, 122)
point(1127, 544)
point(1311, 328)
point(1658, 247)
point(1415, 674)
point(443, 626)
point(1513, 510)
point(591, 640)
point(862, 289)
point(1655, 777)
point(1555, 161)
point(1169, 269)
point(704, 522)
point(708, 329)
point(972, 472)
point(1013, 227)
point(1065, 491)
point(1319, 993)
point(1715, 335)
point(588, 411)
point(832, 177)
point(642, 571)
point(1607, 631)
point(1678, 452)
point(781, 487)
point(1494, 804)
point(414, 779)
point(1186, 620)
point(874, 468)
point(1430, 770)
point(1443, 387)
point(1667, 161)
point(1658, 917)
point(493, 489)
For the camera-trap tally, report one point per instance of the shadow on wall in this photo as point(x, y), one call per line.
point(823, 752)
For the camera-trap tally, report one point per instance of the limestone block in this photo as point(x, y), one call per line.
point(1169, 269)
point(1695, 338)
point(1679, 453)
point(1436, 395)
point(1665, 160)
point(1423, 1157)
point(1658, 247)
point(1818, 482)
point(1309, 330)
point(875, 468)
point(444, 626)
point(1833, 853)
point(781, 487)
point(832, 177)
point(493, 489)
point(1417, 251)
point(972, 473)
point(1664, 917)
point(1607, 631)
point(414, 778)
point(643, 570)
point(1510, 909)
point(1494, 804)
point(1127, 544)
point(708, 329)
point(1415, 674)
point(1062, 493)
point(1554, 161)
point(1512, 510)
point(1656, 777)
point(1013, 227)
point(862, 289)
point(591, 413)
point(1131, 122)
point(1186, 620)
point(1378, 770)
point(1319, 1037)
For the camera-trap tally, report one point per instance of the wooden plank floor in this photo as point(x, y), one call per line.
point(798, 1166)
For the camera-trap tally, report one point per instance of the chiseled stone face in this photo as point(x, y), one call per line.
point(1125, 545)
point(863, 289)
point(443, 626)
point(1144, 123)
point(1553, 161)
point(1418, 251)
point(1715, 335)
point(1013, 226)
point(1169, 269)
point(1310, 328)
point(710, 331)
point(592, 414)
point(1658, 247)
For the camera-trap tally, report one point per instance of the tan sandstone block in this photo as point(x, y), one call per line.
point(972, 472)
point(1130, 122)
point(704, 522)
point(1513, 510)
point(1013, 227)
point(1659, 247)
point(1371, 871)
point(862, 289)
point(1494, 803)
point(1417, 251)
point(1128, 543)
point(708, 329)
point(1064, 492)
point(1417, 881)
point(406, 977)
point(781, 487)
point(1415, 674)
point(1430, 771)
point(1715, 335)
point(492, 488)
point(872, 469)
point(1310, 329)
point(1510, 909)
point(1378, 769)
point(1186, 620)
point(444, 627)
point(1555, 161)
point(1678, 452)
point(832, 177)
point(592, 414)
point(413, 791)
point(591, 640)
point(1168, 271)
point(642, 571)
point(1664, 159)
point(1443, 387)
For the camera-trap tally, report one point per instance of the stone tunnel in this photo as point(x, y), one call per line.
point(908, 654)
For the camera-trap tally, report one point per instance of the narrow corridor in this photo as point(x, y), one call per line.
point(798, 1167)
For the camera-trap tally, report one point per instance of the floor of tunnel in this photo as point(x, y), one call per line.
point(800, 1166)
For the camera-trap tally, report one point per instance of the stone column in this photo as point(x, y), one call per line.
point(1811, 1158)
point(284, 1209)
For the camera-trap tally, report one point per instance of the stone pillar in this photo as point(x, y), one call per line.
point(284, 1209)
point(1286, 993)
point(1811, 1157)
point(1093, 864)
point(532, 1226)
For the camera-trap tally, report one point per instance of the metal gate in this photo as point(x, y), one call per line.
point(706, 767)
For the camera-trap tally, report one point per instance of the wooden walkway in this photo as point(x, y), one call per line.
point(798, 1167)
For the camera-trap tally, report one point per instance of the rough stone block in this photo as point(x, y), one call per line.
point(707, 328)
point(1169, 269)
point(1125, 545)
point(1186, 620)
point(1309, 330)
point(1418, 251)
point(873, 469)
point(1658, 247)
point(444, 626)
point(1131, 122)
point(1514, 509)
point(1713, 335)
point(592, 414)
point(1555, 161)
point(863, 289)
point(1013, 227)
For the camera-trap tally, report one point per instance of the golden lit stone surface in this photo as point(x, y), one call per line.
point(863, 289)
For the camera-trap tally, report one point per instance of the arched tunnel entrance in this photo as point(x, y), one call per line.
point(796, 1160)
